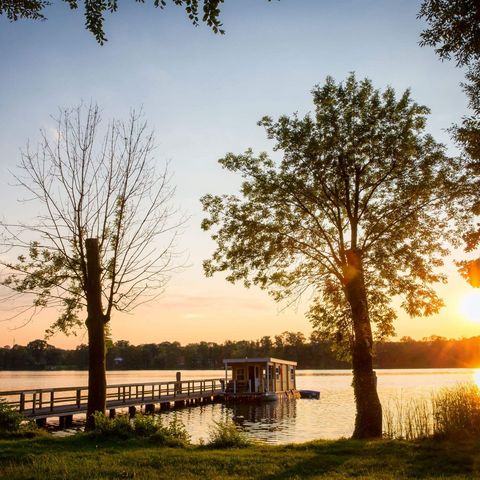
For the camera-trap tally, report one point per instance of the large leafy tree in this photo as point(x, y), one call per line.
point(354, 211)
point(104, 239)
point(454, 31)
point(207, 11)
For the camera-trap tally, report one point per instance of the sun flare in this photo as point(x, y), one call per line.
point(470, 306)
point(476, 377)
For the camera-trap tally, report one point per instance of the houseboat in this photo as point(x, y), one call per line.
point(259, 379)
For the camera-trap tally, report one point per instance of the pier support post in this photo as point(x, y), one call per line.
point(132, 411)
point(112, 413)
point(178, 385)
point(179, 403)
point(41, 422)
point(150, 408)
point(165, 406)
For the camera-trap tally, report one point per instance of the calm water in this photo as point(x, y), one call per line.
point(275, 422)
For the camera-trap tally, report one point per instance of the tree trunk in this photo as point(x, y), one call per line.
point(368, 420)
point(97, 383)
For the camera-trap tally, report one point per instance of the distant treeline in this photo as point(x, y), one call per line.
point(431, 352)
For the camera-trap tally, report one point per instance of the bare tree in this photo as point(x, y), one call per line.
point(105, 238)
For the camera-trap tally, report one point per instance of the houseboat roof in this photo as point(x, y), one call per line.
point(228, 361)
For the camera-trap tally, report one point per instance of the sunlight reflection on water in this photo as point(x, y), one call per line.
point(476, 377)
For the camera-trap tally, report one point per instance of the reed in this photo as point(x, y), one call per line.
point(457, 411)
point(450, 412)
point(408, 419)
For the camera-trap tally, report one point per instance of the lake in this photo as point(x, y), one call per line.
point(279, 422)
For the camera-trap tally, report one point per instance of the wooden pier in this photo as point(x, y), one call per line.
point(64, 402)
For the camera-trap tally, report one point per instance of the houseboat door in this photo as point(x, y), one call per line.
point(253, 378)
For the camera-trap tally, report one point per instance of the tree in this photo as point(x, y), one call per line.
point(355, 212)
point(38, 349)
point(454, 31)
point(95, 10)
point(106, 235)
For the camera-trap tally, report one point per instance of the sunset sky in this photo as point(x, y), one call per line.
point(203, 94)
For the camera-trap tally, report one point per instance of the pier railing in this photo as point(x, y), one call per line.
point(45, 400)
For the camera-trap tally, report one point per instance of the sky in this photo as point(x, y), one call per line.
point(203, 94)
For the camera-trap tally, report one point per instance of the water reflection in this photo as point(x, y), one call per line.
point(261, 419)
point(271, 422)
point(282, 421)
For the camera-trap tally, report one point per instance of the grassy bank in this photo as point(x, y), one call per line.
point(84, 457)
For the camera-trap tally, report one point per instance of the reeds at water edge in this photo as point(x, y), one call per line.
point(450, 412)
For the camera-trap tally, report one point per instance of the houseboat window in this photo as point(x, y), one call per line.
point(240, 374)
point(277, 373)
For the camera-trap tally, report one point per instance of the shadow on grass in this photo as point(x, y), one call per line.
point(380, 459)
point(342, 458)
point(14, 449)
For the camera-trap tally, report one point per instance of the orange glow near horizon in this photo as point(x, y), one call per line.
point(195, 308)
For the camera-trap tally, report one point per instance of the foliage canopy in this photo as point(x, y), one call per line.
point(454, 31)
point(207, 11)
point(360, 174)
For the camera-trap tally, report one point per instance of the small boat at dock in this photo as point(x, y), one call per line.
point(311, 394)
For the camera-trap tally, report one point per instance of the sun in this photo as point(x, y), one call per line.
point(470, 306)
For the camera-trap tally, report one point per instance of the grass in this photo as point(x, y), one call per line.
point(432, 439)
point(88, 457)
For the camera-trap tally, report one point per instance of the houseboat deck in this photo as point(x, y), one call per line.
point(260, 378)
